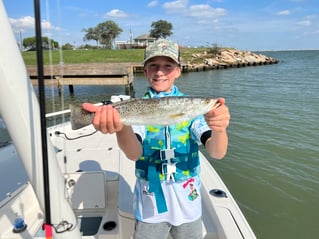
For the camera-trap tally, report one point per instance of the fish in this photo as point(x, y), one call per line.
point(161, 111)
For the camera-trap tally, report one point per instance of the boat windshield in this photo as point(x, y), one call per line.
point(11, 169)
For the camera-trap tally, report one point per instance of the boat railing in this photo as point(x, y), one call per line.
point(57, 113)
point(114, 98)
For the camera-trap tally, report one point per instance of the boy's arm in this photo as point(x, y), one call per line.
point(107, 120)
point(218, 121)
point(129, 143)
point(217, 145)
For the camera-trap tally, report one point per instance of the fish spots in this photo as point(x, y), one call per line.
point(162, 111)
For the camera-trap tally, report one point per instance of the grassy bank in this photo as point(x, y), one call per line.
point(99, 56)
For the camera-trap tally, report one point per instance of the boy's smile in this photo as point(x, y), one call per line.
point(161, 72)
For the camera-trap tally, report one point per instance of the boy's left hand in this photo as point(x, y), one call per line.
point(218, 119)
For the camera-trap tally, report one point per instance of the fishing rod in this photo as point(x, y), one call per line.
point(63, 226)
point(39, 54)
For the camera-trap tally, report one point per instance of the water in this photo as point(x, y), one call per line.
point(272, 165)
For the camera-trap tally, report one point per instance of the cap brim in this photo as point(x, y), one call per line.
point(150, 57)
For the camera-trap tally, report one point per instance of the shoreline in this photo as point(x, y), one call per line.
point(223, 59)
point(230, 58)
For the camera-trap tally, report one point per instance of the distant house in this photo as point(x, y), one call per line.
point(139, 42)
point(144, 40)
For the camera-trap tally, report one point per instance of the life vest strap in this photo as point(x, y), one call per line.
point(156, 187)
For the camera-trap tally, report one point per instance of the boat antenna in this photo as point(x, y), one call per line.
point(39, 55)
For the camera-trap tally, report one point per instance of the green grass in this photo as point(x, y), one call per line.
point(98, 56)
point(85, 56)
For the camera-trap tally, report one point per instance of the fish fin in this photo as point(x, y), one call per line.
point(173, 116)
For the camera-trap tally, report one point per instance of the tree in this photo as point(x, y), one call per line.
point(108, 31)
point(67, 46)
point(161, 29)
point(91, 34)
point(104, 33)
point(47, 43)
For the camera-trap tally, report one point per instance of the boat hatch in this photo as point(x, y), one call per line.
point(89, 226)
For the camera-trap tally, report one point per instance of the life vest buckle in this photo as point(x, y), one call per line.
point(169, 169)
point(166, 154)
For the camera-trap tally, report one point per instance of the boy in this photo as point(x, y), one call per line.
point(167, 196)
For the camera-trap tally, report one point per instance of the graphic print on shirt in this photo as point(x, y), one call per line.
point(146, 192)
point(189, 184)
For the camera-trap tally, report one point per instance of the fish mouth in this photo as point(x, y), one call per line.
point(216, 104)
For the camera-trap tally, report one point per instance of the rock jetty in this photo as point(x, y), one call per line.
point(224, 59)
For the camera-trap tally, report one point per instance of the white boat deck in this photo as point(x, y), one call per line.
point(99, 185)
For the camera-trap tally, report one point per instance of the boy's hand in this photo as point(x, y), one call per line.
point(106, 118)
point(218, 119)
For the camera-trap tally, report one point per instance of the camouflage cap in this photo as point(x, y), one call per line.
point(162, 47)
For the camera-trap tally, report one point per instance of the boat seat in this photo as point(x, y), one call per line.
point(87, 190)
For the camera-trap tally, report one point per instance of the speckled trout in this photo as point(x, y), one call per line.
point(156, 111)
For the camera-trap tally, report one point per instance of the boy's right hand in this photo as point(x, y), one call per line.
point(106, 118)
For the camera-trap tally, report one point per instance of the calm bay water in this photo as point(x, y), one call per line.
point(272, 165)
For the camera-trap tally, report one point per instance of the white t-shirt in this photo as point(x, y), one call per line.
point(183, 201)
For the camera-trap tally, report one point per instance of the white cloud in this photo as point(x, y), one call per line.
point(205, 10)
point(22, 24)
point(116, 13)
point(175, 5)
point(181, 7)
point(26, 23)
point(304, 23)
point(311, 33)
point(152, 4)
point(311, 17)
point(47, 25)
point(284, 13)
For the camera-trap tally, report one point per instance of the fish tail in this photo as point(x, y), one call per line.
point(79, 117)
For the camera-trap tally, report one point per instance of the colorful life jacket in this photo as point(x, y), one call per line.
point(185, 154)
point(163, 147)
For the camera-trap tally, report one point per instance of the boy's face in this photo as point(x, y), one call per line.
point(161, 72)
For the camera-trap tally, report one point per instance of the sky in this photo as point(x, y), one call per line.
point(242, 24)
